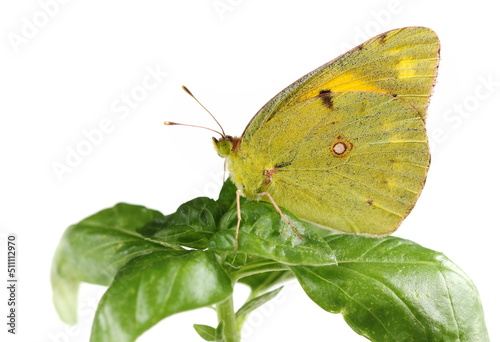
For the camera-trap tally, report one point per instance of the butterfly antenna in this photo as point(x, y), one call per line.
point(170, 123)
point(213, 117)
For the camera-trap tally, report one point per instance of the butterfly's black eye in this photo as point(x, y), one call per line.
point(229, 138)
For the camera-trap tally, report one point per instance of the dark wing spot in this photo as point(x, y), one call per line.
point(326, 98)
point(370, 202)
point(280, 165)
point(382, 39)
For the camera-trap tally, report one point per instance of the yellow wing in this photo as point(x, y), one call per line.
point(401, 62)
point(353, 161)
point(345, 146)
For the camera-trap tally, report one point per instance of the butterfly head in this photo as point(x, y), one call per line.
point(226, 145)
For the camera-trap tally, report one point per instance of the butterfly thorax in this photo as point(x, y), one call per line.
point(244, 170)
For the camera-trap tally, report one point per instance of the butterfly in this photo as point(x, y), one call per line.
point(344, 146)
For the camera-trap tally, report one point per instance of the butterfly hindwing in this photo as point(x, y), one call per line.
point(357, 165)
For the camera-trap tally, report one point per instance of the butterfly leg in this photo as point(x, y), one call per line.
point(281, 214)
point(238, 214)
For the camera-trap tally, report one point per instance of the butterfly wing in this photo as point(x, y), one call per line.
point(345, 146)
point(353, 161)
point(401, 62)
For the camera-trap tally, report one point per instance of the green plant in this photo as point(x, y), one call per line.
point(388, 289)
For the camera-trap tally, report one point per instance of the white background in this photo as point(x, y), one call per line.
point(70, 71)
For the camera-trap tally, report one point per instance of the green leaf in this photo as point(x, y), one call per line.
point(192, 225)
point(227, 195)
point(391, 289)
point(262, 274)
point(94, 249)
point(209, 333)
point(256, 302)
point(154, 286)
point(206, 332)
point(265, 234)
point(260, 282)
point(219, 333)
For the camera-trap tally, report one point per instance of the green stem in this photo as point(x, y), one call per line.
point(225, 313)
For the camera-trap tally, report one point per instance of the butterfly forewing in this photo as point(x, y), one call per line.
point(401, 63)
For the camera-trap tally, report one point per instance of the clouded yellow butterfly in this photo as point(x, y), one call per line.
point(345, 146)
